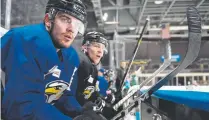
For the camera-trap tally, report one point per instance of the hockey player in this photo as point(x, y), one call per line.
point(40, 66)
point(94, 47)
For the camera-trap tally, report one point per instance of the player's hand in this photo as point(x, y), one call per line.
point(110, 98)
point(97, 106)
point(90, 115)
point(100, 104)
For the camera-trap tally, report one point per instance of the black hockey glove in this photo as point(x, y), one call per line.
point(108, 110)
point(100, 104)
point(107, 101)
point(90, 115)
point(110, 98)
point(90, 112)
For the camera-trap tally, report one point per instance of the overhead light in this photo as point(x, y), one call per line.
point(132, 28)
point(105, 16)
point(158, 2)
point(111, 22)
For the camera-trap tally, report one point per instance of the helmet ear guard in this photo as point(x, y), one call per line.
point(52, 13)
point(84, 48)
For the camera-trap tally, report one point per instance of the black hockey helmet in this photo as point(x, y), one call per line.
point(75, 8)
point(95, 37)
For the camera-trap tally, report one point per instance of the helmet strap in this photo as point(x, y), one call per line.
point(84, 48)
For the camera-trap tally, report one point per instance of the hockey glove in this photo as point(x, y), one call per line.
point(100, 104)
point(110, 98)
point(89, 113)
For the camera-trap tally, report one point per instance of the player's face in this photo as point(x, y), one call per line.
point(96, 51)
point(64, 30)
point(123, 64)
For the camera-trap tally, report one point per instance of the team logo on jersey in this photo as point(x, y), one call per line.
point(54, 90)
point(88, 92)
point(54, 71)
point(91, 79)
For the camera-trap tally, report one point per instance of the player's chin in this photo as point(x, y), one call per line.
point(96, 61)
point(66, 44)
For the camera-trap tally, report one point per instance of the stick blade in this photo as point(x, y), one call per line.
point(195, 29)
point(194, 20)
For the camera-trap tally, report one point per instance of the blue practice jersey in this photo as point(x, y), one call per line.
point(103, 85)
point(34, 75)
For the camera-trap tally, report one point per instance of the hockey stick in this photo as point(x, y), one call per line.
point(194, 25)
point(134, 54)
point(166, 63)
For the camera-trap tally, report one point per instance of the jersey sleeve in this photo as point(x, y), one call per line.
point(24, 92)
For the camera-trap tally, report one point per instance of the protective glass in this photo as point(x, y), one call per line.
point(70, 21)
point(99, 45)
